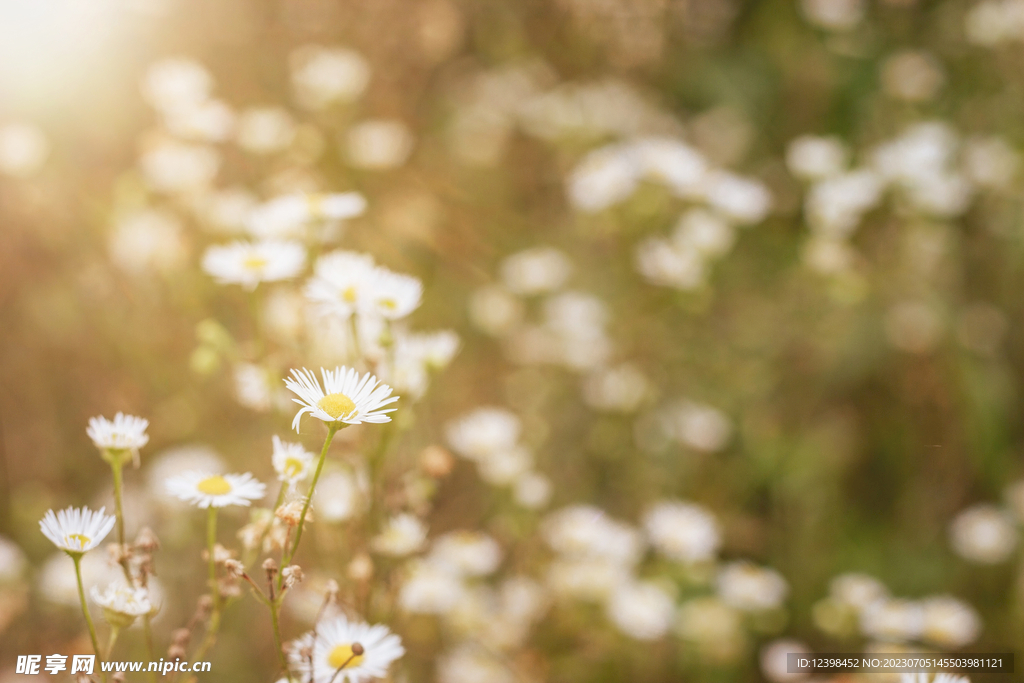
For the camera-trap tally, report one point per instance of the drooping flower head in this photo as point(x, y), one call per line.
point(346, 396)
point(206, 490)
point(346, 652)
point(292, 462)
point(123, 434)
point(248, 264)
point(76, 530)
point(121, 603)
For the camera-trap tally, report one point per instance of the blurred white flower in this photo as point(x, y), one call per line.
point(472, 664)
point(337, 497)
point(147, 241)
point(698, 426)
point(811, 157)
point(664, 263)
point(984, 534)
point(834, 15)
point(205, 490)
point(774, 660)
point(404, 534)
point(176, 83)
point(912, 75)
point(179, 167)
point(621, 389)
point(532, 490)
point(990, 162)
point(12, 561)
point(57, 583)
point(289, 215)
point(587, 578)
point(504, 467)
point(714, 627)
point(467, 553)
point(430, 589)
point(584, 531)
point(673, 163)
point(834, 206)
point(992, 22)
point(250, 263)
point(535, 271)
point(495, 311)
point(210, 121)
point(641, 610)
point(893, 620)
point(750, 588)
point(23, 149)
point(682, 531)
point(949, 623)
point(703, 232)
point(603, 178)
point(265, 130)
point(857, 590)
point(483, 432)
point(743, 200)
point(322, 76)
point(170, 462)
point(226, 210)
point(121, 603)
point(378, 144)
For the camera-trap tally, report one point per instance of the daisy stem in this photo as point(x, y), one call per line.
point(211, 541)
point(117, 468)
point(148, 633)
point(114, 631)
point(331, 430)
point(85, 608)
point(276, 620)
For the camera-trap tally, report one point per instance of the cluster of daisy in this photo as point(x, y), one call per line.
point(598, 560)
point(490, 438)
point(929, 170)
point(859, 604)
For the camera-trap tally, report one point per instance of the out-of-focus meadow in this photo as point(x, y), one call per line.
point(737, 286)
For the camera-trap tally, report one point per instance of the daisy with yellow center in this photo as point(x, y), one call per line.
point(250, 263)
point(346, 397)
point(205, 490)
point(346, 651)
point(292, 462)
point(76, 531)
point(340, 282)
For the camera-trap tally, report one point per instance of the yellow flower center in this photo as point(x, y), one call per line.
point(292, 467)
point(336, 405)
point(342, 656)
point(81, 538)
point(389, 304)
point(349, 295)
point(254, 262)
point(214, 486)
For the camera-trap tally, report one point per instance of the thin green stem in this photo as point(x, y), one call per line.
point(117, 468)
point(114, 632)
point(85, 608)
point(211, 541)
point(148, 634)
point(286, 560)
point(276, 620)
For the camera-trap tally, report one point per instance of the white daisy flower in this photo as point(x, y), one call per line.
point(346, 651)
point(470, 553)
point(205, 490)
point(392, 295)
point(250, 263)
point(76, 530)
point(292, 462)
point(340, 282)
point(345, 397)
point(123, 433)
point(121, 603)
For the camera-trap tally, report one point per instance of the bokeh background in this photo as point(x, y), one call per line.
point(767, 260)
